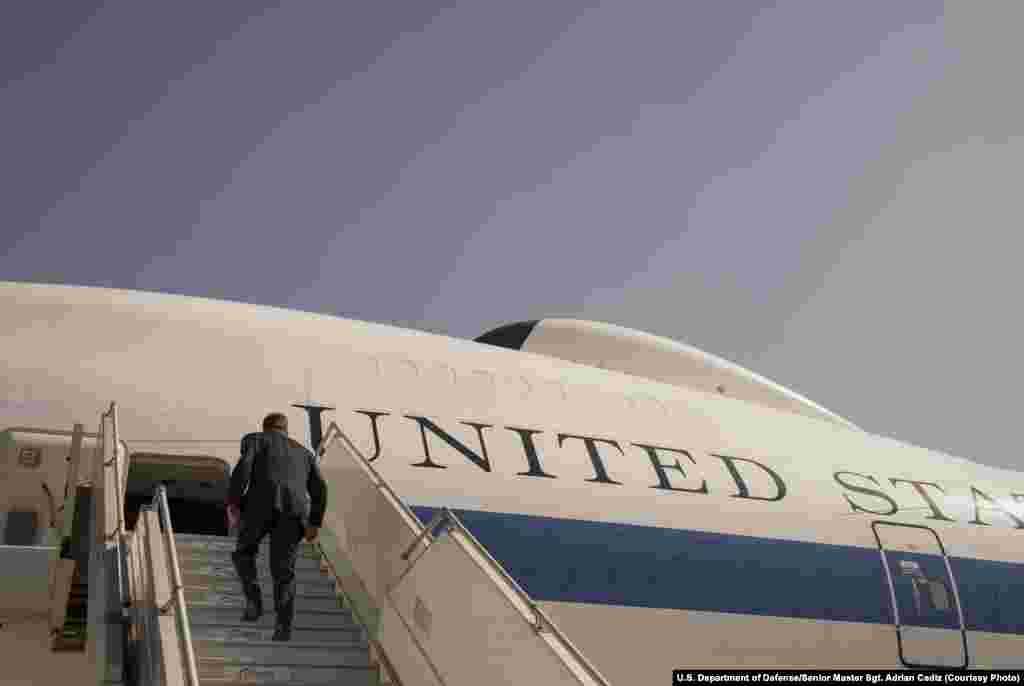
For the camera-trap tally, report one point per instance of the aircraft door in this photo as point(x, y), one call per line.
point(926, 605)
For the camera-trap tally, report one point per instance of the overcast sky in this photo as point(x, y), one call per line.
point(827, 192)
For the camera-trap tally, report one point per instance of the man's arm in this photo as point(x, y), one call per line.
point(243, 470)
point(317, 488)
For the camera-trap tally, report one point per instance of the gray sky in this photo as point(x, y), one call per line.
point(824, 191)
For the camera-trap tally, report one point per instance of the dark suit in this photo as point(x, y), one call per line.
point(279, 472)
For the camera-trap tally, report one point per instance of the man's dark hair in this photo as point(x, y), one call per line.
point(275, 421)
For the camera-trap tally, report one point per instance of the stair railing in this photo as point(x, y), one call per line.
point(113, 455)
point(334, 431)
point(177, 599)
point(159, 590)
point(105, 642)
point(541, 622)
point(445, 518)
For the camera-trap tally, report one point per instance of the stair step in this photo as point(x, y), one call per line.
point(292, 653)
point(221, 540)
point(349, 634)
point(195, 558)
point(351, 653)
point(327, 646)
point(213, 576)
point(226, 546)
point(222, 586)
point(224, 569)
point(216, 671)
point(215, 613)
point(233, 598)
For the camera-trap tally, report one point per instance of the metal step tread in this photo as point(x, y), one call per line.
point(228, 545)
point(347, 624)
point(235, 599)
point(299, 614)
point(280, 654)
point(354, 646)
point(302, 589)
point(219, 671)
point(303, 633)
point(224, 569)
point(215, 543)
point(197, 556)
point(228, 573)
point(234, 587)
point(354, 676)
point(221, 557)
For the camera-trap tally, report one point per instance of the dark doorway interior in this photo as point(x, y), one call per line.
point(196, 488)
point(187, 516)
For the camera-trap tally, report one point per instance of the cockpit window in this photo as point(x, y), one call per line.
point(511, 336)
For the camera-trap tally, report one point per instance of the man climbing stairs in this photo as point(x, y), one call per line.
point(327, 645)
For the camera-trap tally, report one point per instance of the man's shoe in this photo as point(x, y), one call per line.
point(253, 605)
point(282, 633)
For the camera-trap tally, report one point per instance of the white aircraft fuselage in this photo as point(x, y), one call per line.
point(659, 525)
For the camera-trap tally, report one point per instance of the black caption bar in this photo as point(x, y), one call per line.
point(776, 676)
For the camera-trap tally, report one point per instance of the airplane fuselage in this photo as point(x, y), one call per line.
point(658, 525)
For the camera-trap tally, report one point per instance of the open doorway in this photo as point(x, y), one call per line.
point(196, 488)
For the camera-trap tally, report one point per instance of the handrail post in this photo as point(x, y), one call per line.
point(178, 595)
point(97, 537)
point(118, 534)
point(438, 518)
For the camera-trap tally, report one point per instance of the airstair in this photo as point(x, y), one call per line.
point(328, 646)
point(382, 599)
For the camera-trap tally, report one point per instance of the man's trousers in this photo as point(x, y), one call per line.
point(285, 535)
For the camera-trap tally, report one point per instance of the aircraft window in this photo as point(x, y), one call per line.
point(939, 595)
point(911, 568)
point(21, 527)
point(929, 594)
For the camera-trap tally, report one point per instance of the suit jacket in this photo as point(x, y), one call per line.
point(279, 472)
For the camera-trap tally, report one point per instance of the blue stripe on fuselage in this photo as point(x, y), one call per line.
point(606, 563)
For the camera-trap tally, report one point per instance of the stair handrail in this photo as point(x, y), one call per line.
point(177, 587)
point(541, 623)
point(333, 430)
point(446, 516)
point(107, 530)
point(378, 480)
point(117, 536)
